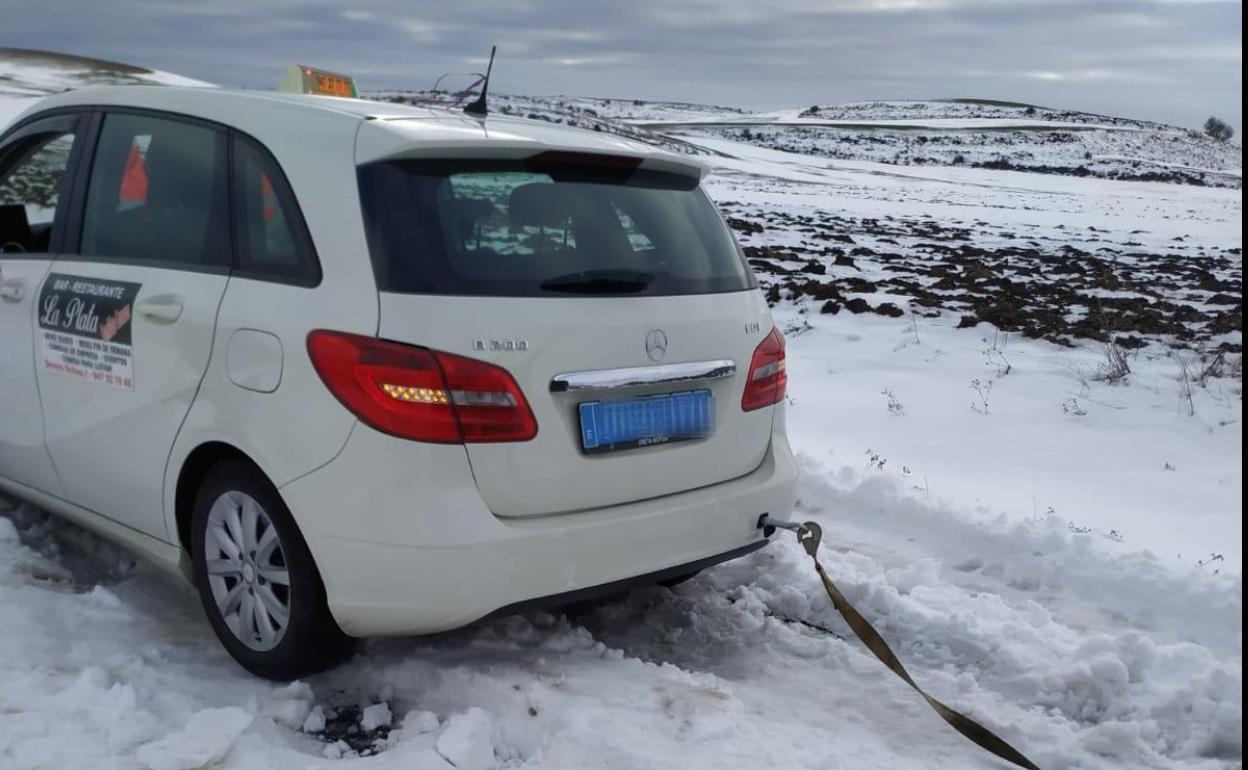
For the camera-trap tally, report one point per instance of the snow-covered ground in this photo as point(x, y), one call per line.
point(1055, 550)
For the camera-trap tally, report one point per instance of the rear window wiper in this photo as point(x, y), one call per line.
point(600, 282)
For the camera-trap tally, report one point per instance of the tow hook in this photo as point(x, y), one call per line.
point(769, 524)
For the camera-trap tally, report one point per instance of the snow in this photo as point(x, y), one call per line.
point(1062, 562)
point(207, 738)
point(1105, 469)
point(939, 124)
point(466, 741)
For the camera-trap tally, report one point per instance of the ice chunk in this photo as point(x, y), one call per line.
point(466, 742)
point(206, 739)
point(289, 705)
point(375, 716)
point(420, 722)
point(8, 532)
point(315, 721)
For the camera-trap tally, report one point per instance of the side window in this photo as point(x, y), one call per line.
point(32, 173)
point(157, 193)
point(271, 240)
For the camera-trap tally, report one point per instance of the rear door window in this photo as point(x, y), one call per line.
point(271, 240)
point(544, 228)
point(157, 194)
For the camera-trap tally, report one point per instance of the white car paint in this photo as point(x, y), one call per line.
point(409, 537)
point(105, 441)
point(23, 454)
point(549, 474)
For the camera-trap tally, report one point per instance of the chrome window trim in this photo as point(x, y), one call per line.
point(612, 379)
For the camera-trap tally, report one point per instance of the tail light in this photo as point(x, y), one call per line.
point(768, 379)
point(421, 394)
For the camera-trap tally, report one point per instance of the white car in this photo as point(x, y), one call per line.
point(362, 369)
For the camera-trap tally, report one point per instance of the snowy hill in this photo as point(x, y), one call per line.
point(970, 133)
point(967, 133)
point(1017, 399)
point(27, 74)
point(992, 135)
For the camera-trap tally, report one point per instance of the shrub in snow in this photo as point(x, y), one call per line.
point(1115, 368)
point(1218, 129)
point(1071, 406)
point(982, 390)
point(895, 406)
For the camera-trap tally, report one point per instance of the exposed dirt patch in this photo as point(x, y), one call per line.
point(346, 728)
point(1093, 284)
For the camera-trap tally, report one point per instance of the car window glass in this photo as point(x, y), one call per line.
point(153, 194)
point(475, 213)
point(535, 227)
point(485, 215)
point(30, 190)
point(271, 241)
point(636, 238)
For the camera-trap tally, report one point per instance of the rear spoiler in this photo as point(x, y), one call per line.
point(467, 139)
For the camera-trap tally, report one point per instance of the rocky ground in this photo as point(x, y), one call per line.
point(1058, 284)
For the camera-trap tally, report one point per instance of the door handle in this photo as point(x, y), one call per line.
point(164, 309)
point(13, 290)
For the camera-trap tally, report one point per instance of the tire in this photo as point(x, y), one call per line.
point(265, 599)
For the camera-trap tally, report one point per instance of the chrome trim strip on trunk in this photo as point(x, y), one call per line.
point(610, 379)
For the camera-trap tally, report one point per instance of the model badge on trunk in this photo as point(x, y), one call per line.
point(500, 345)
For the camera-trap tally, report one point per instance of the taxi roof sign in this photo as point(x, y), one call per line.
point(302, 79)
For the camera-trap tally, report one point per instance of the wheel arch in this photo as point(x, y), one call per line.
point(194, 468)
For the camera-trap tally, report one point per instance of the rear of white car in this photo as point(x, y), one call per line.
point(576, 382)
point(433, 367)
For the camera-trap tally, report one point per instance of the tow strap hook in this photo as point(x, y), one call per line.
point(810, 534)
point(769, 524)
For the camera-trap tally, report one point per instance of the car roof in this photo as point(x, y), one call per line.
point(393, 130)
point(209, 100)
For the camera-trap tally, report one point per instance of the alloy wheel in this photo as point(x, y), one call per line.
point(247, 570)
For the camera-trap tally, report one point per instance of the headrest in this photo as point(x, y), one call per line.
point(471, 209)
point(465, 214)
point(14, 228)
point(179, 168)
point(538, 204)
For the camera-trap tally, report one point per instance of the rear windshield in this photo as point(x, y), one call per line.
point(544, 228)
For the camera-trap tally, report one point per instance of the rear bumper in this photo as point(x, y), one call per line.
point(405, 544)
point(606, 590)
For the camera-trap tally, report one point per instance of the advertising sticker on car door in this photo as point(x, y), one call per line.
point(84, 329)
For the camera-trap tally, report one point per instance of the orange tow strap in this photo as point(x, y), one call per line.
point(977, 733)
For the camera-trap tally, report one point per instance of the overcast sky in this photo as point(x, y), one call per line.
point(1172, 60)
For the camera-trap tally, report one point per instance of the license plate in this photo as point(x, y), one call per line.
point(627, 423)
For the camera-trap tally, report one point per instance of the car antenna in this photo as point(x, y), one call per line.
point(478, 107)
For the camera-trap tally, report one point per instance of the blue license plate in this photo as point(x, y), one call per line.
point(626, 423)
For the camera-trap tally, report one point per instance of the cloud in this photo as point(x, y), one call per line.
point(1174, 60)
